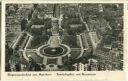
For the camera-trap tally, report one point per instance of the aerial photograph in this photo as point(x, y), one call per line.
point(64, 37)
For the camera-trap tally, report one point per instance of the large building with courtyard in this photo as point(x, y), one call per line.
point(64, 37)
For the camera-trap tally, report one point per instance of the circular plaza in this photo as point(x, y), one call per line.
point(46, 50)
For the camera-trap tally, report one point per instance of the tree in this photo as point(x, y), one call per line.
point(37, 67)
point(60, 66)
point(18, 66)
point(7, 67)
point(48, 24)
point(23, 24)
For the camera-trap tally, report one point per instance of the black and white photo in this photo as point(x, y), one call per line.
point(64, 37)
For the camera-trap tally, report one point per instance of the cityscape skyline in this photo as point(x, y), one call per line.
point(64, 37)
